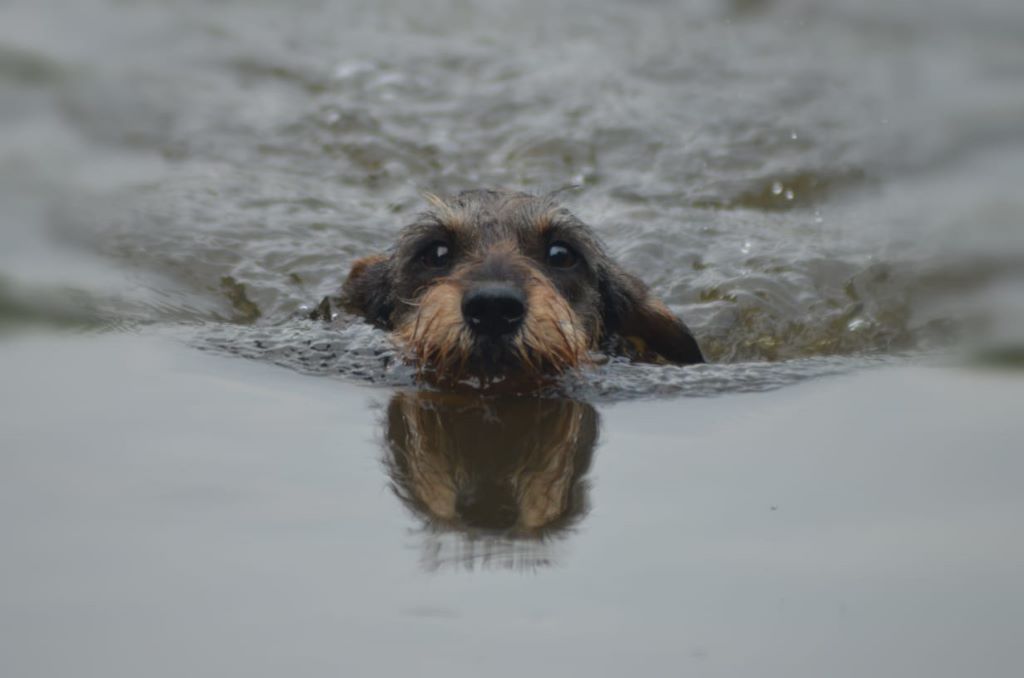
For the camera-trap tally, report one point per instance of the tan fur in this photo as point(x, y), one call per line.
point(451, 216)
point(359, 266)
point(545, 218)
point(551, 339)
point(436, 336)
point(440, 343)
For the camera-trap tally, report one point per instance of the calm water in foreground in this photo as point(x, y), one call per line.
point(197, 481)
point(170, 513)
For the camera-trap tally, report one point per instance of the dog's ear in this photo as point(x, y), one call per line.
point(653, 332)
point(367, 290)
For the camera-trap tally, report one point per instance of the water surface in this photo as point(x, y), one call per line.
point(168, 513)
point(827, 191)
point(797, 180)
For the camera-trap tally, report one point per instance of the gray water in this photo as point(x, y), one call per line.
point(165, 512)
point(827, 191)
point(796, 179)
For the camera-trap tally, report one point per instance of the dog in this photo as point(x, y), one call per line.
point(504, 285)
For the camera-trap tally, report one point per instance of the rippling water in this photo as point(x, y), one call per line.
point(816, 186)
point(820, 184)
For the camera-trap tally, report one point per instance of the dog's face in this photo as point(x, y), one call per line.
point(497, 284)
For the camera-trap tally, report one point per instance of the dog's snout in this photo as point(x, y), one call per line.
point(494, 310)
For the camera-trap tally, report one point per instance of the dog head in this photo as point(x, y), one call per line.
point(501, 284)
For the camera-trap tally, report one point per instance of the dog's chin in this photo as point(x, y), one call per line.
point(492, 364)
point(492, 359)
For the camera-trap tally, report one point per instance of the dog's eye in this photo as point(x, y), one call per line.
point(436, 255)
point(561, 255)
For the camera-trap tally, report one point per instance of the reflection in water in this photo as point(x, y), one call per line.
point(494, 479)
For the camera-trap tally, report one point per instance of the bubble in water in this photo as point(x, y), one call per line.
point(747, 246)
point(790, 195)
point(857, 324)
point(793, 136)
point(581, 178)
point(777, 188)
point(349, 69)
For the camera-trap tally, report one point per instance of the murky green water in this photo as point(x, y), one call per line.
point(819, 187)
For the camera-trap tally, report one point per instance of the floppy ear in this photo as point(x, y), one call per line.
point(631, 313)
point(367, 290)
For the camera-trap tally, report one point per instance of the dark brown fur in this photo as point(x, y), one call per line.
point(503, 237)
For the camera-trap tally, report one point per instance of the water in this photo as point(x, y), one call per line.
point(797, 180)
point(826, 190)
point(166, 512)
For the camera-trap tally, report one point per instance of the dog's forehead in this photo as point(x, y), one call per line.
point(484, 217)
point(492, 216)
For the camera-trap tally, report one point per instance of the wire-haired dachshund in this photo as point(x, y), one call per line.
point(504, 285)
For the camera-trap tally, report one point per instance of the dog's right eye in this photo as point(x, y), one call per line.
point(560, 255)
point(436, 255)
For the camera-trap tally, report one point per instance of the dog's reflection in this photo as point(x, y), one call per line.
point(504, 474)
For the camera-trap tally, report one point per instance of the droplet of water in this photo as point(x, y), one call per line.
point(581, 178)
point(348, 69)
point(793, 136)
point(777, 188)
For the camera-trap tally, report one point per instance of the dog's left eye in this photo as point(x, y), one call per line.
point(436, 255)
point(561, 255)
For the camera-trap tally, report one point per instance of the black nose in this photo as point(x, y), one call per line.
point(494, 310)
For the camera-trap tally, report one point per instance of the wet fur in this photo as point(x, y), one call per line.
point(503, 236)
